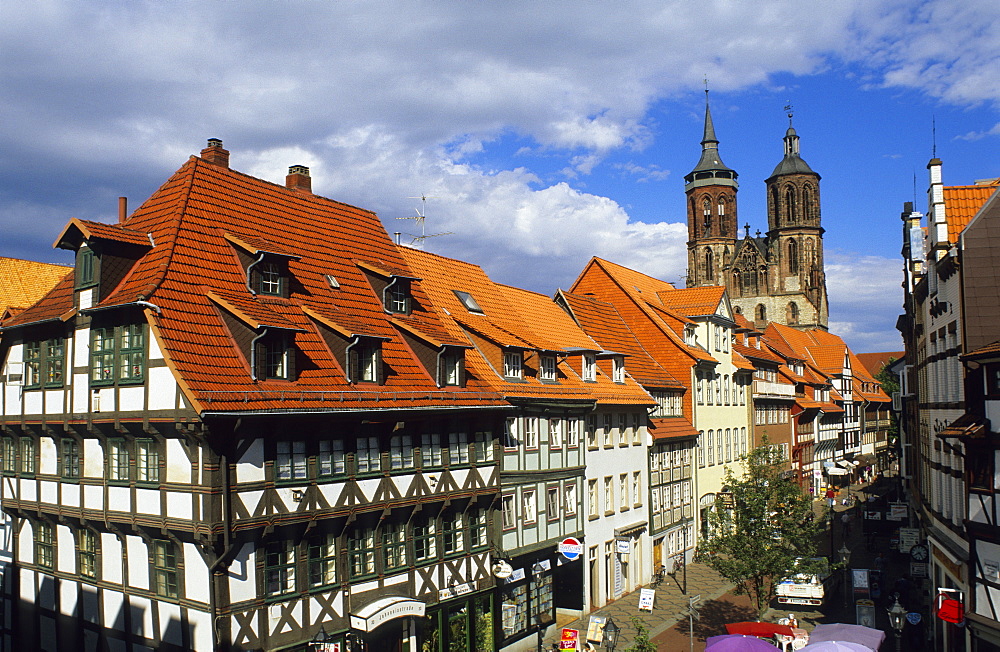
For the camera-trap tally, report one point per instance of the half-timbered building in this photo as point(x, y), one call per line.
point(574, 402)
point(237, 423)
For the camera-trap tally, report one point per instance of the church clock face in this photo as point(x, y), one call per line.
point(919, 552)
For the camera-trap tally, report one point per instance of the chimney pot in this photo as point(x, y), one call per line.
point(298, 178)
point(215, 153)
point(122, 209)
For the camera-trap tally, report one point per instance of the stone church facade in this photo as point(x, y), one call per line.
point(777, 277)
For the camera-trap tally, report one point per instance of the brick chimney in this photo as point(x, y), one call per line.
point(298, 178)
point(215, 153)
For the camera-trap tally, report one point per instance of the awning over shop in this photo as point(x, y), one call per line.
point(866, 459)
point(374, 614)
point(634, 528)
point(847, 464)
point(834, 470)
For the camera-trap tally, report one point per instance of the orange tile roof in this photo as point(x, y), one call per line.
point(875, 362)
point(23, 282)
point(693, 302)
point(189, 218)
point(962, 203)
point(671, 428)
point(512, 317)
point(77, 230)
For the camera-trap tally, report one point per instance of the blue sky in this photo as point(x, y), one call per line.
point(542, 133)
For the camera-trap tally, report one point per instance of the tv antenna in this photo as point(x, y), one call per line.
point(420, 217)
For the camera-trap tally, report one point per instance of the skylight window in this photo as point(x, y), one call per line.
point(467, 301)
point(332, 280)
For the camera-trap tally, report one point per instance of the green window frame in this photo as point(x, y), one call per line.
point(165, 569)
point(118, 461)
point(323, 561)
point(331, 460)
point(393, 546)
point(118, 354)
point(147, 461)
point(452, 533)
point(478, 534)
point(71, 458)
point(424, 534)
point(9, 452)
point(291, 462)
point(27, 456)
point(44, 545)
point(45, 363)
point(86, 553)
point(279, 568)
point(361, 552)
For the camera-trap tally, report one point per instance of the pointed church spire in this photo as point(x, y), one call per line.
point(710, 169)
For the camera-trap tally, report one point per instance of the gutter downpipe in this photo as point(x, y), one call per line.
point(250, 267)
point(347, 357)
point(253, 354)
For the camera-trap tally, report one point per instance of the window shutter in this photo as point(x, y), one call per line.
point(291, 353)
point(352, 364)
point(260, 356)
point(379, 376)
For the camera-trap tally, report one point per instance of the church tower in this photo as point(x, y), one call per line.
point(795, 241)
point(711, 212)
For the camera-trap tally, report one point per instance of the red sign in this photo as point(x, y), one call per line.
point(570, 548)
point(569, 640)
point(950, 610)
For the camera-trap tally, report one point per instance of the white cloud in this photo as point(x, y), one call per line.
point(979, 135)
point(865, 299)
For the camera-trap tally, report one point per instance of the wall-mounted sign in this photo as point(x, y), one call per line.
point(502, 570)
point(623, 546)
point(380, 611)
point(570, 548)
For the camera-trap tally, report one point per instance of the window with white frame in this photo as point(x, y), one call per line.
point(701, 388)
point(322, 560)
point(548, 371)
point(608, 433)
point(401, 453)
point(431, 452)
point(510, 434)
point(636, 428)
point(555, 432)
point(478, 534)
point(729, 454)
point(424, 533)
point(718, 445)
point(279, 568)
point(569, 498)
point(637, 489)
point(609, 494)
point(118, 460)
point(552, 502)
point(482, 446)
point(592, 431)
point(623, 492)
point(711, 447)
point(623, 439)
point(589, 367)
point(531, 432)
point(458, 448)
point(573, 432)
point(512, 364)
point(593, 499)
point(147, 460)
point(366, 457)
point(528, 506)
point(44, 545)
point(701, 448)
point(618, 370)
point(331, 459)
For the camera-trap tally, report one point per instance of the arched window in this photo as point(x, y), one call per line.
point(706, 211)
point(737, 288)
point(709, 266)
point(793, 257)
point(761, 313)
point(775, 207)
point(738, 310)
point(793, 313)
point(808, 203)
point(790, 211)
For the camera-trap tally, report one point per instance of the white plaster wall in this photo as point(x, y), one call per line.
point(138, 562)
point(250, 467)
point(65, 549)
point(49, 491)
point(49, 454)
point(69, 596)
point(162, 389)
point(111, 558)
point(55, 401)
point(179, 505)
point(201, 630)
point(170, 619)
point(93, 459)
point(32, 403)
point(93, 497)
point(81, 395)
point(147, 501)
point(196, 576)
point(69, 494)
point(242, 581)
point(178, 466)
point(130, 399)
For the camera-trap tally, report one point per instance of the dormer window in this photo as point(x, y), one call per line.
point(275, 356)
point(452, 367)
point(548, 370)
point(689, 335)
point(589, 367)
point(513, 364)
point(618, 369)
point(269, 277)
point(365, 359)
point(396, 295)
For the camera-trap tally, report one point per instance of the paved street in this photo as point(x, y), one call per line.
point(669, 628)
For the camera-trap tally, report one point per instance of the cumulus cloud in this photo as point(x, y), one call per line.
point(979, 135)
point(865, 300)
point(385, 101)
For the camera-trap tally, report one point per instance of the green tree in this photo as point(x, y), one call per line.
point(641, 642)
point(761, 528)
point(890, 385)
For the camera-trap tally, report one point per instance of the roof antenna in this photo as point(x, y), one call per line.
point(418, 240)
point(933, 136)
point(914, 188)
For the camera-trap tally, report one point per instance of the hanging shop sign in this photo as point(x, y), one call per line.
point(570, 548)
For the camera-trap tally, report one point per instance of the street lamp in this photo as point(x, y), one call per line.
point(845, 559)
point(319, 642)
point(897, 618)
point(611, 631)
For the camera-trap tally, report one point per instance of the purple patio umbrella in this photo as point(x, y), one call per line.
point(737, 643)
point(835, 646)
point(842, 632)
